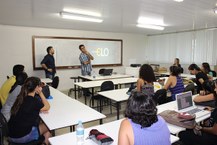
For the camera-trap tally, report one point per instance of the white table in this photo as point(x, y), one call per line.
point(93, 84)
point(65, 111)
point(111, 129)
point(120, 95)
point(99, 77)
point(46, 80)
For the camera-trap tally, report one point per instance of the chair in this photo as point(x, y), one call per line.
point(213, 73)
point(105, 86)
point(55, 82)
point(182, 70)
point(190, 87)
point(75, 89)
point(101, 71)
point(160, 96)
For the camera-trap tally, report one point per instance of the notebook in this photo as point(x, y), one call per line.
point(185, 104)
point(107, 72)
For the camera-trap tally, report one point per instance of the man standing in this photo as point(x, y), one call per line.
point(85, 59)
point(48, 63)
point(86, 67)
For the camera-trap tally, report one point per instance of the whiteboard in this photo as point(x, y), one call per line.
point(106, 52)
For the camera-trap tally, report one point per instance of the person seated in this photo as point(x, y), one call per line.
point(174, 83)
point(200, 76)
point(146, 80)
point(142, 125)
point(6, 87)
point(24, 124)
point(207, 97)
point(202, 135)
point(206, 69)
point(14, 92)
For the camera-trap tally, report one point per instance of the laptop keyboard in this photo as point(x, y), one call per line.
point(193, 111)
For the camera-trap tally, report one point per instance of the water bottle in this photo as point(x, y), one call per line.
point(80, 133)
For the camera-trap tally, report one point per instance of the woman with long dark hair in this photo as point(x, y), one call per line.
point(146, 80)
point(142, 125)
point(200, 76)
point(24, 124)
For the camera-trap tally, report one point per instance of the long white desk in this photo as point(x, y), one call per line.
point(93, 84)
point(111, 129)
point(65, 111)
point(98, 77)
point(46, 80)
point(120, 95)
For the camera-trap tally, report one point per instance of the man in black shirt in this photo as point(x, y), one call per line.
point(48, 63)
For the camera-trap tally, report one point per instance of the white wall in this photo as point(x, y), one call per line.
point(16, 48)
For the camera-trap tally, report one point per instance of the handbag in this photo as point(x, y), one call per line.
point(100, 138)
point(180, 119)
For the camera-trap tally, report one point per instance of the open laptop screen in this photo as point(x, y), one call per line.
point(184, 100)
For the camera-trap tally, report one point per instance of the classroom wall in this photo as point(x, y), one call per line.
point(16, 47)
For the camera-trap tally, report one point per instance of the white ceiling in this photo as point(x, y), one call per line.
point(118, 15)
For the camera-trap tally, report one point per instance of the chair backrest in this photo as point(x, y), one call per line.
point(55, 82)
point(101, 71)
point(190, 87)
point(107, 85)
point(3, 128)
point(160, 96)
point(213, 73)
point(182, 70)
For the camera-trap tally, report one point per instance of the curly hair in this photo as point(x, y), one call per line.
point(146, 73)
point(141, 109)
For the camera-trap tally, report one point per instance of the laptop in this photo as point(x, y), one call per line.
point(107, 72)
point(185, 104)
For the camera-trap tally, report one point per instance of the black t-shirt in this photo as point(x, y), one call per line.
point(200, 75)
point(21, 124)
point(213, 117)
point(49, 62)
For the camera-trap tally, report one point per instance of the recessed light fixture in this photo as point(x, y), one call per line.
point(150, 26)
point(80, 17)
point(179, 1)
point(150, 23)
point(83, 12)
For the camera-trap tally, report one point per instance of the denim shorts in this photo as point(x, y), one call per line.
point(33, 135)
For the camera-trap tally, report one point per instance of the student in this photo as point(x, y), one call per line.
point(24, 124)
point(200, 76)
point(6, 87)
point(142, 126)
point(174, 82)
point(206, 97)
point(14, 92)
point(202, 135)
point(206, 69)
point(48, 63)
point(146, 80)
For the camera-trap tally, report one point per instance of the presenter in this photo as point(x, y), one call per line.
point(86, 67)
point(48, 63)
point(85, 59)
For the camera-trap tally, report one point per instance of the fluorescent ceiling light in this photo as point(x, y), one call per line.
point(150, 21)
point(215, 10)
point(150, 26)
point(67, 15)
point(83, 12)
point(178, 0)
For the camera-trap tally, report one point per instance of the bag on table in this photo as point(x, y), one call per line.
point(100, 138)
point(180, 119)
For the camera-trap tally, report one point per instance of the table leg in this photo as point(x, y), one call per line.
point(118, 110)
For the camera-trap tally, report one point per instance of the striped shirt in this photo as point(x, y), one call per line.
point(157, 134)
point(85, 68)
point(178, 88)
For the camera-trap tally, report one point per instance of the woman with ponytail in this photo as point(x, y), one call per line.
point(24, 125)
